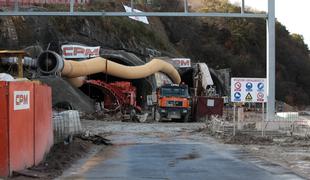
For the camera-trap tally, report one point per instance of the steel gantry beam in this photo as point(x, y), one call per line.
point(124, 14)
point(270, 31)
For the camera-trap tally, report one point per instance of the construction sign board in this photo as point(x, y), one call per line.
point(79, 52)
point(182, 62)
point(248, 90)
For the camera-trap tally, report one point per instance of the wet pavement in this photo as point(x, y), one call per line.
point(137, 156)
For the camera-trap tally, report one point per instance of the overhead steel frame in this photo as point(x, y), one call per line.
point(270, 31)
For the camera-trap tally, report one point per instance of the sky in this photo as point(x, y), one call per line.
point(293, 14)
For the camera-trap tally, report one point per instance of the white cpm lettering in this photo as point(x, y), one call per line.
point(21, 99)
point(79, 52)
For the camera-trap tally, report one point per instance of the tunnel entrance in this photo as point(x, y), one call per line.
point(188, 76)
point(104, 99)
point(136, 90)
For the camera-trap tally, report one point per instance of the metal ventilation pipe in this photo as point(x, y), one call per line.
point(49, 62)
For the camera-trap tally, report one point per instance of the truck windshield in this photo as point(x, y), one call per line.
point(174, 91)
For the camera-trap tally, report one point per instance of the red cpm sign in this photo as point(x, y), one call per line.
point(182, 62)
point(79, 52)
point(21, 100)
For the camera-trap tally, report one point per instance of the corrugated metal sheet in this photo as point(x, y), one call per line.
point(4, 135)
point(21, 128)
point(43, 134)
point(207, 106)
point(25, 134)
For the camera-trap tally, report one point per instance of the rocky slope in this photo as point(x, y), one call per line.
point(238, 44)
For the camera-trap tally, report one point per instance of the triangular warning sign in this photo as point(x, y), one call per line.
point(248, 97)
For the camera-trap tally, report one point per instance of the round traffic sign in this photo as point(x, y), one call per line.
point(260, 95)
point(237, 85)
point(260, 86)
point(249, 85)
point(237, 95)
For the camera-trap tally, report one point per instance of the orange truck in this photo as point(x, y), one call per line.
point(173, 102)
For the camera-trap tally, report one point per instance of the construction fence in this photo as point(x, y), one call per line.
point(254, 122)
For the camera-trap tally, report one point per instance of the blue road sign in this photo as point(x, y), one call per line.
point(249, 86)
point(237, 96)
point(260, 86)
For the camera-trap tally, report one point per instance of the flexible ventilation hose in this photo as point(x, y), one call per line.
point(50, 62)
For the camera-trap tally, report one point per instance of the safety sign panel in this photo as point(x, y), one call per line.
point(248, 90)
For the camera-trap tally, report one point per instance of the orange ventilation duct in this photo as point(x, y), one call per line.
point(50, 62)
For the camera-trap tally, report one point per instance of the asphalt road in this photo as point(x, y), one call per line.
point(139, 156)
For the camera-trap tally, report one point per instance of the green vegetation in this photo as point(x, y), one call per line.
point(240, 44)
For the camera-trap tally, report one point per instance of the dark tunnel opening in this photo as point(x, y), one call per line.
point(220, 89)
point(187, 77)
point(100, 95)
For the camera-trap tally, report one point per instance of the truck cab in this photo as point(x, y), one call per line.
point(173, 102)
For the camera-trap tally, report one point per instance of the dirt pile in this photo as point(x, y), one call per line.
point(246, 139)
point(295, 141)
point(65, 96)
point(60, 158)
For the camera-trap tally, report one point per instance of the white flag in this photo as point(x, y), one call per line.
point(137, 18)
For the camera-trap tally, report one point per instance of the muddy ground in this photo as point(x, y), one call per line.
point(290, 152)
point(60, 158)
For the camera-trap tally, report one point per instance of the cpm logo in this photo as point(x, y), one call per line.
point(77, 52)
point(182, 62)
point(21, 100)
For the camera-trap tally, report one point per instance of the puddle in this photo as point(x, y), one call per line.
point(190, 156)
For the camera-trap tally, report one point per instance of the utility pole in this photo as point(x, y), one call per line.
point(71, 6)
point(185, 6)
point(271, 58)
point(242, 7)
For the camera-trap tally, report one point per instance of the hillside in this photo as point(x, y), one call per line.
point(238, 44)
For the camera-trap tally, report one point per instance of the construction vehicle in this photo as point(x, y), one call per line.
point(173, 102)
point(118, 96)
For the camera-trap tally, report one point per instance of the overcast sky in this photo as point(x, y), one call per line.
point(294, 14)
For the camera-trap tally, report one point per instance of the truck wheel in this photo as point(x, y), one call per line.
point(157, 116)
point(185, 118)
point(132, 115)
